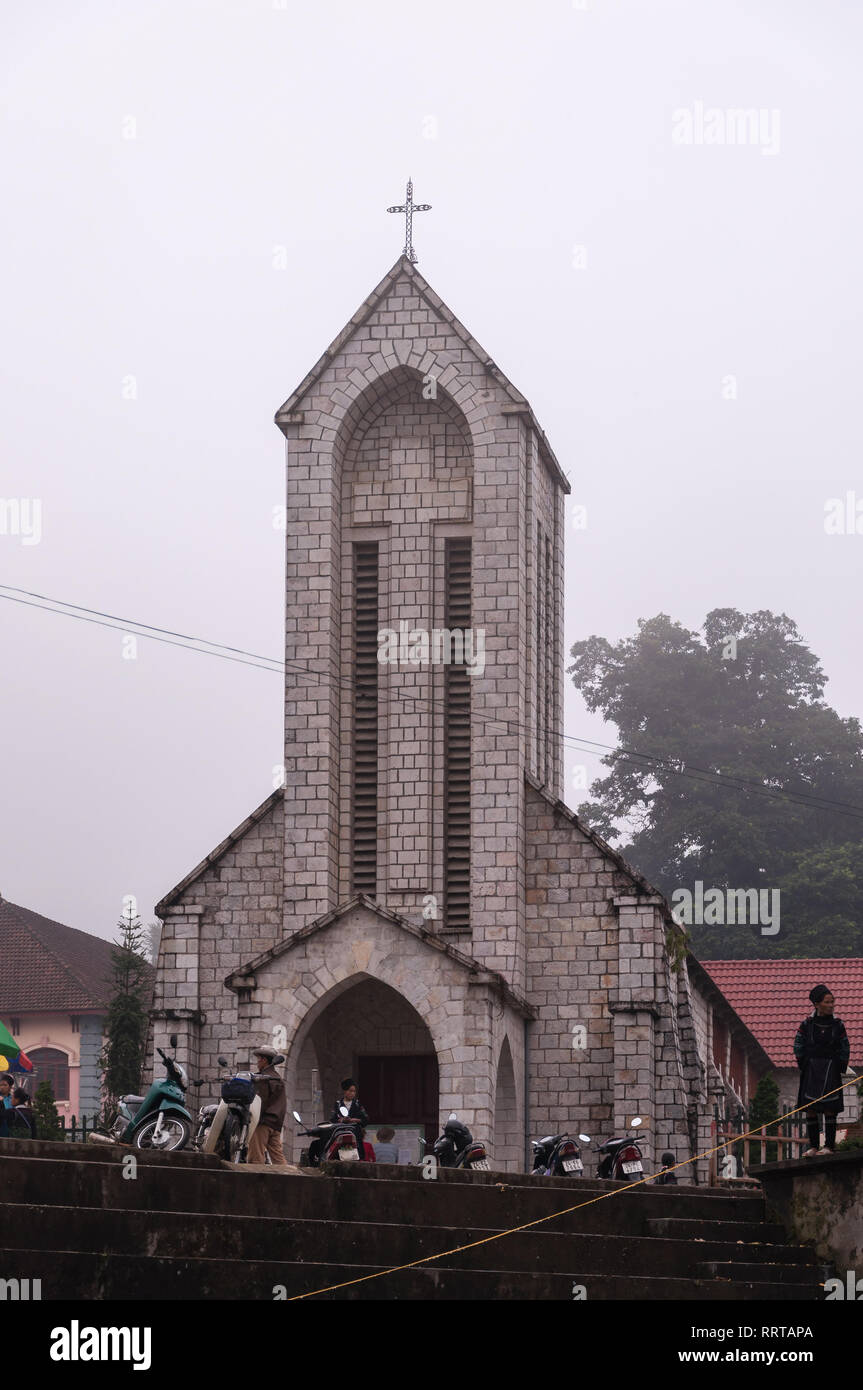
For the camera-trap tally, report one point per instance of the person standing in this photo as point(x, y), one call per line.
point(823, 1051)
point(6, 1087)
point(267, 1138)
point(20, 1119)
point(356, 1115)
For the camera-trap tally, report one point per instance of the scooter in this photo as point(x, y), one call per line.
point(621, 1158)
point(331, 1143)
point(456, 1147)
point(557, 1156)
point(226, 1129)
point(159, 1120)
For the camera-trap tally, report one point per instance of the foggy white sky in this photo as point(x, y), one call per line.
point(532, 131)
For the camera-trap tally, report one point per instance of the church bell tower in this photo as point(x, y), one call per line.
point(423, 628)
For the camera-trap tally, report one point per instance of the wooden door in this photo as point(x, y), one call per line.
point(400, 1091)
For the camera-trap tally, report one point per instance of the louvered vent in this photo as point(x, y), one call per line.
point(364, 848)
point(549, 662)
point(540, 658)
point(457, 746)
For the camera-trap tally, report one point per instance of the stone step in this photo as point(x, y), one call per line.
point(494, 1201)
point(682, 1228)
point(756, 1273)
point(97, 1153)
point(190, 1235)
point(134, 1277)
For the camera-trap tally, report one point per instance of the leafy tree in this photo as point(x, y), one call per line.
point(763, 1108)
point(127, 1019)
point(45, 1113)
point(733, 770)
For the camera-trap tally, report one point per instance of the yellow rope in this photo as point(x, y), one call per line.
point(498, 1235)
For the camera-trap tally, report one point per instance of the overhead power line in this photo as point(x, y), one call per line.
point(205, 647)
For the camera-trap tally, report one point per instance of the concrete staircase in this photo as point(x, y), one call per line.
point(188, 1227)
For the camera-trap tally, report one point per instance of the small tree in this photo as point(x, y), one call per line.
point(764, 1108)
point(126, 1021)
point(45, 1113)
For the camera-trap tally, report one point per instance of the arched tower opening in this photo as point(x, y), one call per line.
point(406, 646)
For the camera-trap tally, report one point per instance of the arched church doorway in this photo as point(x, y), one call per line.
point(370, 1032)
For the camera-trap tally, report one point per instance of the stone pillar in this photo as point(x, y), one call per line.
point(176, 997)
point(90, 1074)
point(634, 1080)
point(635, 1010)
point(312, 689)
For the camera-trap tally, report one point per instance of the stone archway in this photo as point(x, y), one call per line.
point(507, 1153)
point(372, 1032)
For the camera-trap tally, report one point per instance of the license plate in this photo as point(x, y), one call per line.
point(573, 1165)
point(482, 1165)
point(345, 1155)
point(632, 1168)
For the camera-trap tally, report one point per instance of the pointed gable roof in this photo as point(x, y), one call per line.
point(288, 412)
point(243, 975)
point(49, 967)
point(173, 897)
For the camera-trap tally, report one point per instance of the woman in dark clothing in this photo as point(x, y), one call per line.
point(20, 1119)
point(822, 1050)
point(356, 1114)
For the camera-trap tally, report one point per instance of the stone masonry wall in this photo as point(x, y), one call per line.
point(231, 912)
point(597, 962)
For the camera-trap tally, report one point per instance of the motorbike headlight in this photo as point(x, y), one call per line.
point(183, 1075)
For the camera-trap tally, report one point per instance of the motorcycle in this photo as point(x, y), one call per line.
point(457, 1148)
point(557, 1155)
point(621, 1158)
point(159, 1120)
point(331, 1143)
point(226, 1129)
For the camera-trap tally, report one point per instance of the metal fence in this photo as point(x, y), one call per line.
point(75, 1131)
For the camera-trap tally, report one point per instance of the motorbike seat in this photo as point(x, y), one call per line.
point(132, 1100)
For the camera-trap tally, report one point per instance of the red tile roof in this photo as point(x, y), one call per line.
point(47, 966)
point(772, 998)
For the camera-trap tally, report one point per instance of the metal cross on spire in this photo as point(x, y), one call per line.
point(409, 207)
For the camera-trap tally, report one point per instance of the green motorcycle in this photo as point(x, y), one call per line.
point(159, 1120)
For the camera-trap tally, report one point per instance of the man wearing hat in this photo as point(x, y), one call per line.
point(822, 1050)
point(267, 1138)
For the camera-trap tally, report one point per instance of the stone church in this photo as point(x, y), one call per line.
point(415, 905)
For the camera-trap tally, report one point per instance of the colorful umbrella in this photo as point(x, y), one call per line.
point(11, 1054)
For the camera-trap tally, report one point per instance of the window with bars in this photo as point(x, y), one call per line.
point(457, 707)
point(364, 844)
